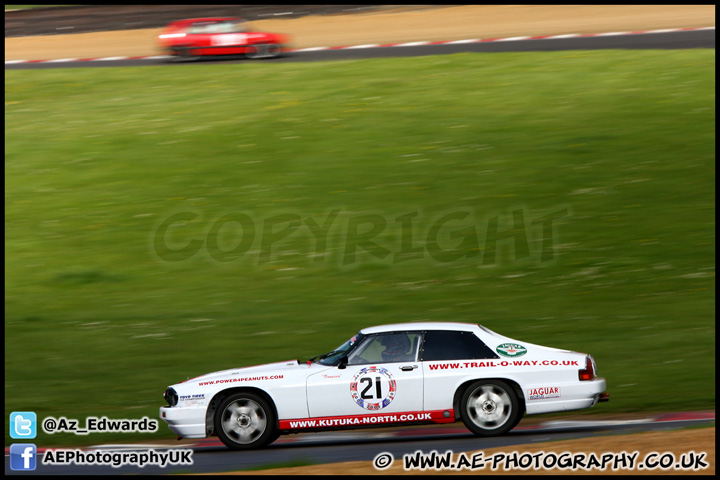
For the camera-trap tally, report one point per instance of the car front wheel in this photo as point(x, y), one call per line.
point(244, 421)
point(183, 54)
point(264, 50)
point(490, 407)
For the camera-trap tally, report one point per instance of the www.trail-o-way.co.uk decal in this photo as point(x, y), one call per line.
point(373, 388)
point(503, 363)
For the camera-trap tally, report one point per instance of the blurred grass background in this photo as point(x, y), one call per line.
point(97, 159)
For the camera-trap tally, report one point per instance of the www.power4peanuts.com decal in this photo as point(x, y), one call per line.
point(373, 388)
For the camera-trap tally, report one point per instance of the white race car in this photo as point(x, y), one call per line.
point(389, 375)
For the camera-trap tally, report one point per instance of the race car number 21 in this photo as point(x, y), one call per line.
point(373, 388)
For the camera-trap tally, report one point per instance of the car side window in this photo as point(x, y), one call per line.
point(386, 348)
point(452, 345)
point(205, 27)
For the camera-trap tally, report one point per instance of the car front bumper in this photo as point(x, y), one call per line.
point(185, 422)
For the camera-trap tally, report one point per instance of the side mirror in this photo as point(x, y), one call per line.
point(343, 362)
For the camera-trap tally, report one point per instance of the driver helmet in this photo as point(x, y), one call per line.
point(396, 347)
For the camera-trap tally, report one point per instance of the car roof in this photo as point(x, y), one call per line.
point(465, 327)
point(190, 21)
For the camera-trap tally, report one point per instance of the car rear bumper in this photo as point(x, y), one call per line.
point(574, 396)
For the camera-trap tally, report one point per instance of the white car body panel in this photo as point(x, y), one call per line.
point(314, 396)
point(327, 393)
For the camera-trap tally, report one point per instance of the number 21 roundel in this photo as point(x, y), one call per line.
point(373, 388)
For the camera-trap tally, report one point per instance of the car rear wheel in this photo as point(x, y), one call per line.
point(244, 421)
point(263, 50)
point(490, 407)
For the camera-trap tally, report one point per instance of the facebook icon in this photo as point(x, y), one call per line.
point(22, 456)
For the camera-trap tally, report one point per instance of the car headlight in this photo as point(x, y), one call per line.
point(171, 396)
point(172, 35)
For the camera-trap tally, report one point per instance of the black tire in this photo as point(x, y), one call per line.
point(183, 54)
point(244, 421)
point(490, 408)
point(264, 50)
point(517, 420)
point(274, 436)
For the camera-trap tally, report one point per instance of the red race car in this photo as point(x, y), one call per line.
point(195, 37)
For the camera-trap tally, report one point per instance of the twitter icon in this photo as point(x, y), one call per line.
point(23, 425)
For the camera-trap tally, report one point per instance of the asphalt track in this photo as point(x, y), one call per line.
point(364, 445)
point(654, 41)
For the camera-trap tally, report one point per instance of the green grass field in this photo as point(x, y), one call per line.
point(126, 269)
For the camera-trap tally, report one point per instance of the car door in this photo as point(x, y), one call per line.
point(382, 375)
point(197, 35)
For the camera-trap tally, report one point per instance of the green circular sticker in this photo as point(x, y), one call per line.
point(511, 350)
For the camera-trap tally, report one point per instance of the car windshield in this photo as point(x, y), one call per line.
point(220, 27)
point(332, 358)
